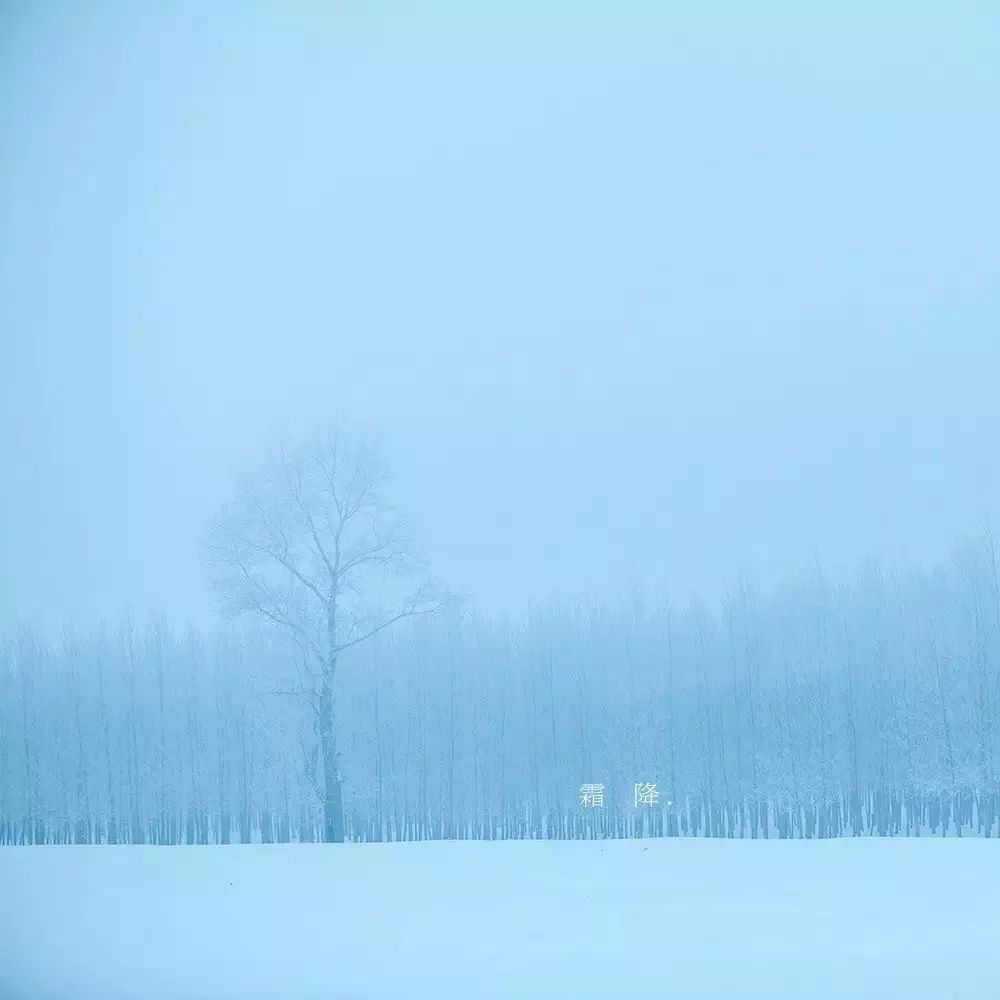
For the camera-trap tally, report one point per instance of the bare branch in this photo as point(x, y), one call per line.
point(411, 612)
point(311, 517)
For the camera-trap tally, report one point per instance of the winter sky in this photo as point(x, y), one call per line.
point(652, 296)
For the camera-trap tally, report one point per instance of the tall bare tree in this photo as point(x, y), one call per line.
point(310, 547)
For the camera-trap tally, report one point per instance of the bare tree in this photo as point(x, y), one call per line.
point(310, 547)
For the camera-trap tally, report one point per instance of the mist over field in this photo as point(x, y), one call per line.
point(652, 296)
point(567, 429)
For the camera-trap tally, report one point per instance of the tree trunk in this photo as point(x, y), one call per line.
point(333, 799)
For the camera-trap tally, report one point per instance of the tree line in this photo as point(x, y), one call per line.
point(821, 708)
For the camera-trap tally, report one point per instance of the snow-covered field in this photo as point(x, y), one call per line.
point(656, 918)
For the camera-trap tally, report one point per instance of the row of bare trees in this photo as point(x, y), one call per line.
point(819, 709)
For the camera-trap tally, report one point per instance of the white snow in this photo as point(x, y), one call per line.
point(672, 918)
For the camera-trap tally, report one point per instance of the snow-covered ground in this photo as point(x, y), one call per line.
point(652, 918)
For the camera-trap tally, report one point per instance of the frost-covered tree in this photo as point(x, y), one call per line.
point(310, 546)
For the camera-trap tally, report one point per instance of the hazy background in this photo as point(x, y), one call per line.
point(652, 298)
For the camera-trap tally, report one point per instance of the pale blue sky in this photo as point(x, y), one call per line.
point(655, 297)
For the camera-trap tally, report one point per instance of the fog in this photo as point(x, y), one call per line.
point(676, 327)
point(646, 301)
